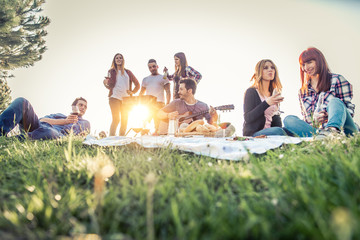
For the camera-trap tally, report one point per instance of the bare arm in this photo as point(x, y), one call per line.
point(164, 115)
point(142, 91)
point(168, 94)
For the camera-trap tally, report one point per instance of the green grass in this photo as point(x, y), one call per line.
point(305, 191)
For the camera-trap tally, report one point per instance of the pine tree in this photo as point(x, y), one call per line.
point(21, 38)
point(5, 97)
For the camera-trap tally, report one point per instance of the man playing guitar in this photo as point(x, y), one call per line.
point(187, 104)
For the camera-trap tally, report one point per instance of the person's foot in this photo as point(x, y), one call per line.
point(323, 133)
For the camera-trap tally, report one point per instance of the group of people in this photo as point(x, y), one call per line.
point(119, 82)
point(325, 100)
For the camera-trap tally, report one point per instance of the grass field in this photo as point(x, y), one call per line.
point(64, 190)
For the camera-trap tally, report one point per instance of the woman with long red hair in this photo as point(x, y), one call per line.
point(119, 82)
point(325, 99)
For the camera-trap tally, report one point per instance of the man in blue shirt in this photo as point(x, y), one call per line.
point(51, 126)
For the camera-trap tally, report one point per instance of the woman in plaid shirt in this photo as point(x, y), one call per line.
point(325, 99)
point(182, 70)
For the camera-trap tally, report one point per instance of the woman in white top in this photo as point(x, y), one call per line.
point(119, 82)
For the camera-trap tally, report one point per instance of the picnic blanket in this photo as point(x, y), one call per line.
point(221, 148)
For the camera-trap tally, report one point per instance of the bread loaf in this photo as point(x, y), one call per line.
point(212, 128)
point(202, 129)
point(193, 125)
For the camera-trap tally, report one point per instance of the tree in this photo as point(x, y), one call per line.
point(5, 97)
point(22, 34)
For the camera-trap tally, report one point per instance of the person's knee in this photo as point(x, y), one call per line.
point(19, 100)
point(335, 102)
point(290, 120)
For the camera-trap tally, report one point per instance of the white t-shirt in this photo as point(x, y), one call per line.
point(121, 86)
point(155, 86)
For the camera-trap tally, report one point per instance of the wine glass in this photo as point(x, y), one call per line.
point(75, 110)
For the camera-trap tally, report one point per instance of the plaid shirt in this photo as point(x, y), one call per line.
point(340, 88)
point(190, 73)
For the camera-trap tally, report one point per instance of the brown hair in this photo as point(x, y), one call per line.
point(189, 84)
point(322, 69)
point(116, 67)
point(180, 71)
point(78, 99)
point(257, 77)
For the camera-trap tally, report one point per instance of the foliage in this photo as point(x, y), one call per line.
point(21, 33)
point(5, 98)
point(306, 191)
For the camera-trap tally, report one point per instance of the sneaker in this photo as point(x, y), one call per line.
point(323, 133)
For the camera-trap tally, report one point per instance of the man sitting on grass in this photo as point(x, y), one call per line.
point(187, 103)
point(51, 126)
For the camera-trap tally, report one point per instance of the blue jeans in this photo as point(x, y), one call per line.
point(21, 112)
point(338, 117)
point(271, 131)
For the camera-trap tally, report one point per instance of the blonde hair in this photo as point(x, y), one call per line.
point(116, 67)
point(257, 77)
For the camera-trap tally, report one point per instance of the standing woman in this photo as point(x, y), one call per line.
point(325, 99)
point(261, 102)
point(182, 70)
point(119, 82)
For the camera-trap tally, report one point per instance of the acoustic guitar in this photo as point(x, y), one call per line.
point(188, 118)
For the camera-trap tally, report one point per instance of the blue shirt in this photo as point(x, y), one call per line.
point(81, 126)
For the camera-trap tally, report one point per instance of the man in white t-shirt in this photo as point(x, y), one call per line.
point(155, 85)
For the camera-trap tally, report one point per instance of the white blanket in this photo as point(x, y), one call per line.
point(221, 148)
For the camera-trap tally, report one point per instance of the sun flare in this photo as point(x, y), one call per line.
point(139, 118)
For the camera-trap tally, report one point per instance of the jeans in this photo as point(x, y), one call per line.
point(271, 131)
point(117, 109)
point(338, 117)
point(21, 112)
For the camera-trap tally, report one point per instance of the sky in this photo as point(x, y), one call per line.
point(223, 40)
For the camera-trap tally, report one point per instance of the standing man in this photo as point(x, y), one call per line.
point(51, 126)
point(154, 85)
point(187, 103)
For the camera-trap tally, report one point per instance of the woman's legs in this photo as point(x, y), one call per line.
point(298, 127)
point(115, 106)
point(271, 131)
point(339, 117)
point(124, 119)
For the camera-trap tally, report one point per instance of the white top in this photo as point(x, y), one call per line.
point(121, 86)
point(154, 85)
point(269, 112)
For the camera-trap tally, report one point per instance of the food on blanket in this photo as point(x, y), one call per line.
point(183, 126)
point(224, 125)
point(193, 125)
point(202, 129)
point(212, 128)
point(261, 136)
point(240, 139)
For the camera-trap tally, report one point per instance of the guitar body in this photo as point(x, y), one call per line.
point(188, 118)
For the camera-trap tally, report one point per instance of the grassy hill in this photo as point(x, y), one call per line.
point(62, 189)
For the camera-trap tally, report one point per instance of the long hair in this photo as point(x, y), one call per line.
point(322, 69)
point(257, 77)
point(180, 71)
point(116, 67)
